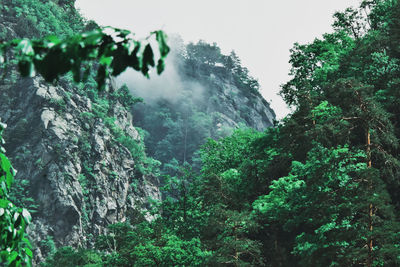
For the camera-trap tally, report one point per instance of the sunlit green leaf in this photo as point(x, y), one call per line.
point(7, 169)
point(162, 43)
point(105, 60)
point(52, 40)
point(12, 256)
point(29, 252)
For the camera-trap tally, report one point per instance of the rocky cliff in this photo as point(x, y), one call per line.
point(81, 163)
point(80, 177)
point(229, 89)
point(233, 106)
point(202, 94)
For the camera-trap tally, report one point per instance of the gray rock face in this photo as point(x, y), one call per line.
point(233, 106)
point(81, 177)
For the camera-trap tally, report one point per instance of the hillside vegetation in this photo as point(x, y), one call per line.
point(321, 188)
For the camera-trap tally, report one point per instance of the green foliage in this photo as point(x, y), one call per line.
point(15, 248)
point(48, 245)
point(323, 201)
point(149, 244)
point(234, 244)
point(313, 64)
point(169, 250)
point(69, 257)
point(341, 88)
point(124, 96)
point(227, 153)
point(176, 131)
point(181, 209)
point(224, 190)
point(40, 18)
point(113, 49)
point(19, 195)
point(136, 148)
point(325, 112)
point(207, 58)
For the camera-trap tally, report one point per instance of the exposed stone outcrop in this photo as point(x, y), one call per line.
point(80, 177)
point(236, 106)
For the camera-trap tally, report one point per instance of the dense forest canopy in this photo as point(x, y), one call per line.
point(321, 188)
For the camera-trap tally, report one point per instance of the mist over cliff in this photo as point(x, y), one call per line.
point(170, 85)
point(202, 94)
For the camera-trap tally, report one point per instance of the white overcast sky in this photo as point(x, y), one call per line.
point(260, 31)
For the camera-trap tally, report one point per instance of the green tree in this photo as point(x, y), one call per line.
point(225, 193)
point(323, 204)
point(15, 248)
point(149, 244)
point(69, 257)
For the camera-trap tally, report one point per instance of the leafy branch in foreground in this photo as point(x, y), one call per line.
point(113, 50)
point(15, 249)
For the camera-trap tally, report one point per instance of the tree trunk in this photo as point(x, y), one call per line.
point(370, 211)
